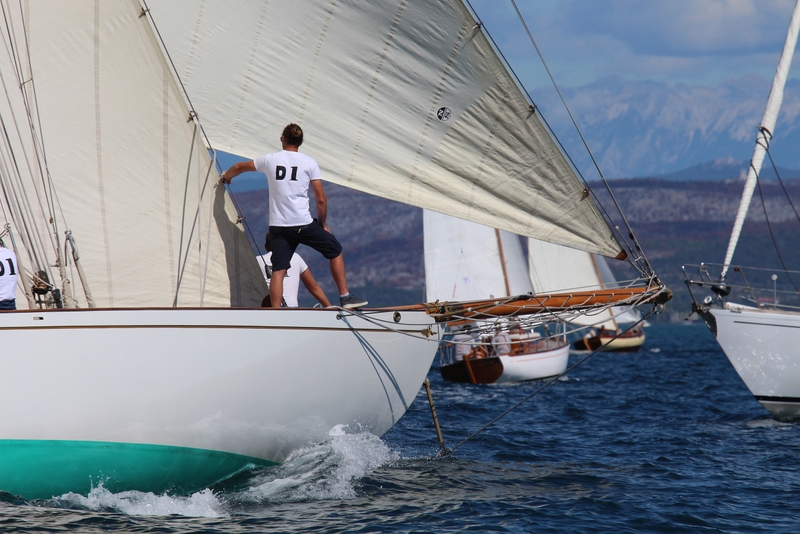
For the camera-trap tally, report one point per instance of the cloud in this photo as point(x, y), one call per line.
point(686, 41)
point(682, 28)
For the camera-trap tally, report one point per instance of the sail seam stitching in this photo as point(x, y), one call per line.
point(434, 107)
point(249, 76)
point(98, 148)
point(487, 147)
point(316, 60)
point(165, 163)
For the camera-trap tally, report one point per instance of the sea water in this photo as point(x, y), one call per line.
point(664, 440)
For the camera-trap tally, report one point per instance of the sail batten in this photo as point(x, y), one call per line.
point(405, 100)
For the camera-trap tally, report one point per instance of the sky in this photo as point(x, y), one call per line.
point(696, 42)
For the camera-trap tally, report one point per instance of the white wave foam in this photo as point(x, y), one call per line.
point(201, 504)
point(325, 471)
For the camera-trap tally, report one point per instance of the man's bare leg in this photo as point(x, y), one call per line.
point(276, 288)
point(338, 274)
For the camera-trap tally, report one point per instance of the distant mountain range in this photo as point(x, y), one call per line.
point(727, 169)
point(677, 223)
point(649, 129)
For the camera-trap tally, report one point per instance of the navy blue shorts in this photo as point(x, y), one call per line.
point(286, 238)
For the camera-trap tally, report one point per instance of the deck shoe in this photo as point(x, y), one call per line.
point(351, 303)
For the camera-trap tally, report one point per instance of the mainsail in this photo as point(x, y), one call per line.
point(405, 100)
point(151, 227)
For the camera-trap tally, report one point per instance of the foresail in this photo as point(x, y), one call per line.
point(403, 99)
point(464, 262)
point(131, 177)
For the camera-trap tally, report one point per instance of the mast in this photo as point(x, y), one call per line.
point(764, 133)
point(502, 261)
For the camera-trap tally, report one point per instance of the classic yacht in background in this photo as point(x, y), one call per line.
point(468, 261)
point(551, 266)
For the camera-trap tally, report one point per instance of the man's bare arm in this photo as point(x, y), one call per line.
point(321, 202)
point(236, 169)
point(313, 287)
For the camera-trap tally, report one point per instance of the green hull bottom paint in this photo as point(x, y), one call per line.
point(41, 469)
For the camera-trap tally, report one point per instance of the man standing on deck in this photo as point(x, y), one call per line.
point(290, 174)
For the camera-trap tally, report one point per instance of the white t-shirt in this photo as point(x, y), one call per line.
point(291, 282)
point(8, 274)
point(289, 175)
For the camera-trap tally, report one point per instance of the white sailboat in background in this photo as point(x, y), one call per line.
point(759, 338)
point(553, 266)
point(157, 372)
point(469, 261)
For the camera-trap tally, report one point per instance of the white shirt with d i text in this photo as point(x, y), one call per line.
point(289, 175)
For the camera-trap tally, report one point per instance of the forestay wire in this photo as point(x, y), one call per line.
point(636, 254)
point(765, 144)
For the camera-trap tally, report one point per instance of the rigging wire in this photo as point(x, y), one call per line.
point(41, 169)
point(636, 256)
point(785, 191)
point(766, 216)
point(194, 116)
point(13, 189)
point(580, 134)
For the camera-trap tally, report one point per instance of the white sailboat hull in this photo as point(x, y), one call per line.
point(764, 348)
point(535, 365)
point(254, 383)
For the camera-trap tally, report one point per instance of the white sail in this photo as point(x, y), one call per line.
point(622, 314)
point(133, 180)
point(556, 268)
point(465, 260)
point(765, 133)
point(405, 100)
